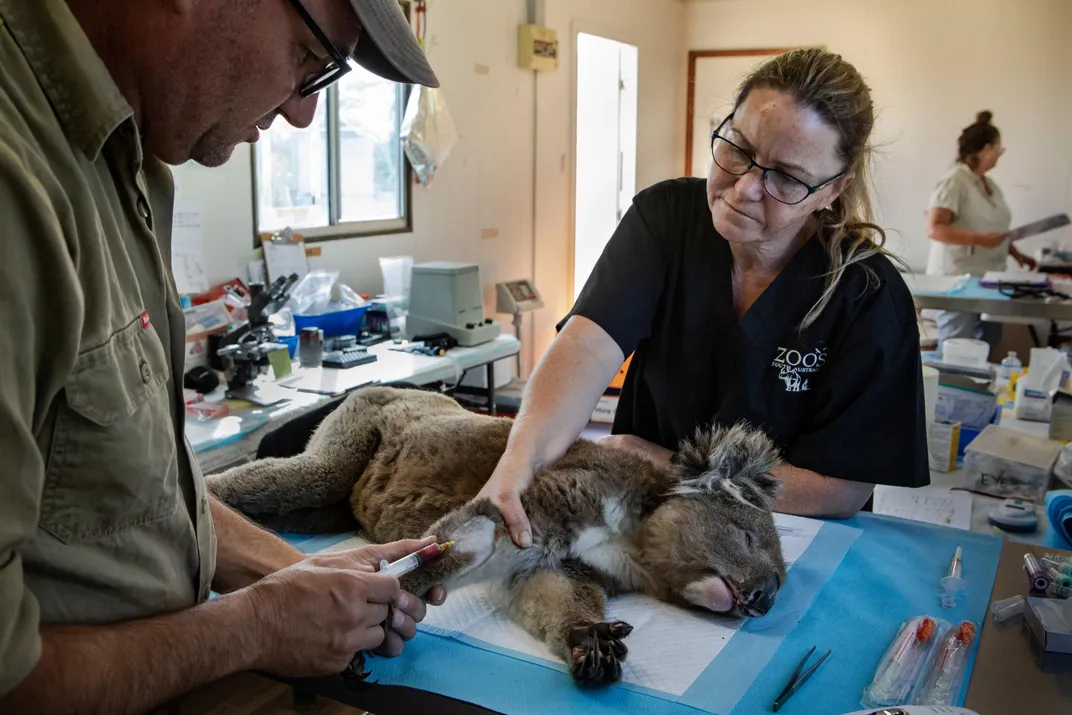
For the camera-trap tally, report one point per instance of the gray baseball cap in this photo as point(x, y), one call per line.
point(387, 46)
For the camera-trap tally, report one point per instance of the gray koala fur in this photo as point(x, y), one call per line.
point(604, 521)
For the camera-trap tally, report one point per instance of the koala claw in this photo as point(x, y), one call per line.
point(596, 652)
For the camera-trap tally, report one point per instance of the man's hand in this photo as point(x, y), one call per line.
point(510, 478)
point(631, 443)
point(409, 610)
point(311, 618)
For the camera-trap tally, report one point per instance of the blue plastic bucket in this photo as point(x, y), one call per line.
point(340, 322)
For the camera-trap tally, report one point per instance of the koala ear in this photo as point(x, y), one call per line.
point(735, 461)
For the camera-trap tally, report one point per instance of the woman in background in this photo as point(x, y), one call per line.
point(968, 220)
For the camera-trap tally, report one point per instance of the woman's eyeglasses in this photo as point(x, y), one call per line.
point(779, 185)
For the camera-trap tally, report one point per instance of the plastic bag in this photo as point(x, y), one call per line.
point(428, 132)
point(397, 274)
point(924, 665)
point(904, 662)
point(320, 292)
point(1063, 468)
point(944, 677)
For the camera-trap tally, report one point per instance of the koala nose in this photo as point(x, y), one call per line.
point(761, 598)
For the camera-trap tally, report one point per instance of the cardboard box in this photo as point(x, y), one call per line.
point(1049, 621)
point(605, 409)
point(942, 441)
point(619, 380)
point(1061, 416)
point(965, 400)
point(1010, 464)
point(1031, 405)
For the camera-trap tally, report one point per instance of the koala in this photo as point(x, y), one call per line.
point(698, 533)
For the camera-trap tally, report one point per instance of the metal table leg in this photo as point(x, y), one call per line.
point(491, 390)
point(302, 701)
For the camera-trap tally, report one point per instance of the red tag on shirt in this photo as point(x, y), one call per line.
point(145, 320)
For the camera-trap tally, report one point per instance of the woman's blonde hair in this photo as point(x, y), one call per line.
point(824, 82)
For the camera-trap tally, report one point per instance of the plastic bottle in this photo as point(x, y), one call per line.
point(1009, 366)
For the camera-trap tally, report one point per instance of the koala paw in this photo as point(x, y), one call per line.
point(596, 651)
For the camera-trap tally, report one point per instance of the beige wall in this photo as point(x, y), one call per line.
point(487, 183)
point(932, 64)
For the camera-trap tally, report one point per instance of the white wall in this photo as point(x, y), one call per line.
point(657, 28)
point(932, 64)
point(486, 186)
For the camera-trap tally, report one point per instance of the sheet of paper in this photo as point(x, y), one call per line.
point(188, 248)
point(668, 648)
point(934, 506)
point(1041, 226)
point(282, 259)
point(991, 279)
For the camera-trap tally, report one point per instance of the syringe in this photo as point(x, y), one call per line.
point(952, 584)
point(412, 562)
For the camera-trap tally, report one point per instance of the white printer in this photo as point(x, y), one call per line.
point(446, 297)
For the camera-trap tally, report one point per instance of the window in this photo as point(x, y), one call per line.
point(345, 175)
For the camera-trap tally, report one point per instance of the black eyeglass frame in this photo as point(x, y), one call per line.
point(765, 169)
point(339, 65)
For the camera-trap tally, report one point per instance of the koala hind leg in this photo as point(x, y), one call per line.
point(566, 610)
point(279, 486)
point(480, 541)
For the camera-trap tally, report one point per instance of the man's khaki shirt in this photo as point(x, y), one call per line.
point(103, 512)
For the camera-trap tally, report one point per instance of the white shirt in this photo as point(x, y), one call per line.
point(962, 193)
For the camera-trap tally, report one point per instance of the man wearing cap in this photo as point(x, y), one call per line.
point(109, 543)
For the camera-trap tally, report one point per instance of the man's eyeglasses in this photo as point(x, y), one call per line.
point(781, 186)
point(335, 69)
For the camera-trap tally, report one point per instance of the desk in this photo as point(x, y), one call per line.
point(1008, 665)
point(390, 367)
point(973, 298)
point(889, 574)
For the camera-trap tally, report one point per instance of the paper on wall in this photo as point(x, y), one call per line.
point(188, 248)
point(283, 258)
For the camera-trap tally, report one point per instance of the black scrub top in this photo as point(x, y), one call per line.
point(844, 399)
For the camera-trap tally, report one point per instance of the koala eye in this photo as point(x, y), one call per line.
point(750, 541)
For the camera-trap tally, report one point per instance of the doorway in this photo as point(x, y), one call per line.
point(605, 152)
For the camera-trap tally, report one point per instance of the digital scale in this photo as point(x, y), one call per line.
point(515, 297)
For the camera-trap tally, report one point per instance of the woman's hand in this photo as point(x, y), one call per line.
point(511, 477)
point(1024, 261)
point(989, 240)
point(631, 443)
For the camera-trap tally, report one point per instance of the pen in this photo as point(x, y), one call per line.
point(413, 561)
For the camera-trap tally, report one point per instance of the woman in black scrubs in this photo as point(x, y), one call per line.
point(762, 294)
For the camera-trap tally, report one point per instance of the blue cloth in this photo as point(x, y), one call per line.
point(972, 289)
point(890, 574)
point(1059, 511)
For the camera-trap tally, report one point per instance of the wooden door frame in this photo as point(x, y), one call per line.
point(690, 102)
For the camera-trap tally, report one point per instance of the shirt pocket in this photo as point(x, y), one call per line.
point(112, 461)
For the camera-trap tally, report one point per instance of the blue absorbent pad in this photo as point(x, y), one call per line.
point(973, 288)
point(1059, 514)
point(889, 574)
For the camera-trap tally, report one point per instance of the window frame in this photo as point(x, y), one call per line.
point(338, 230)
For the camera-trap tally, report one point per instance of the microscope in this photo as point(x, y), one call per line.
point(243, 353)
